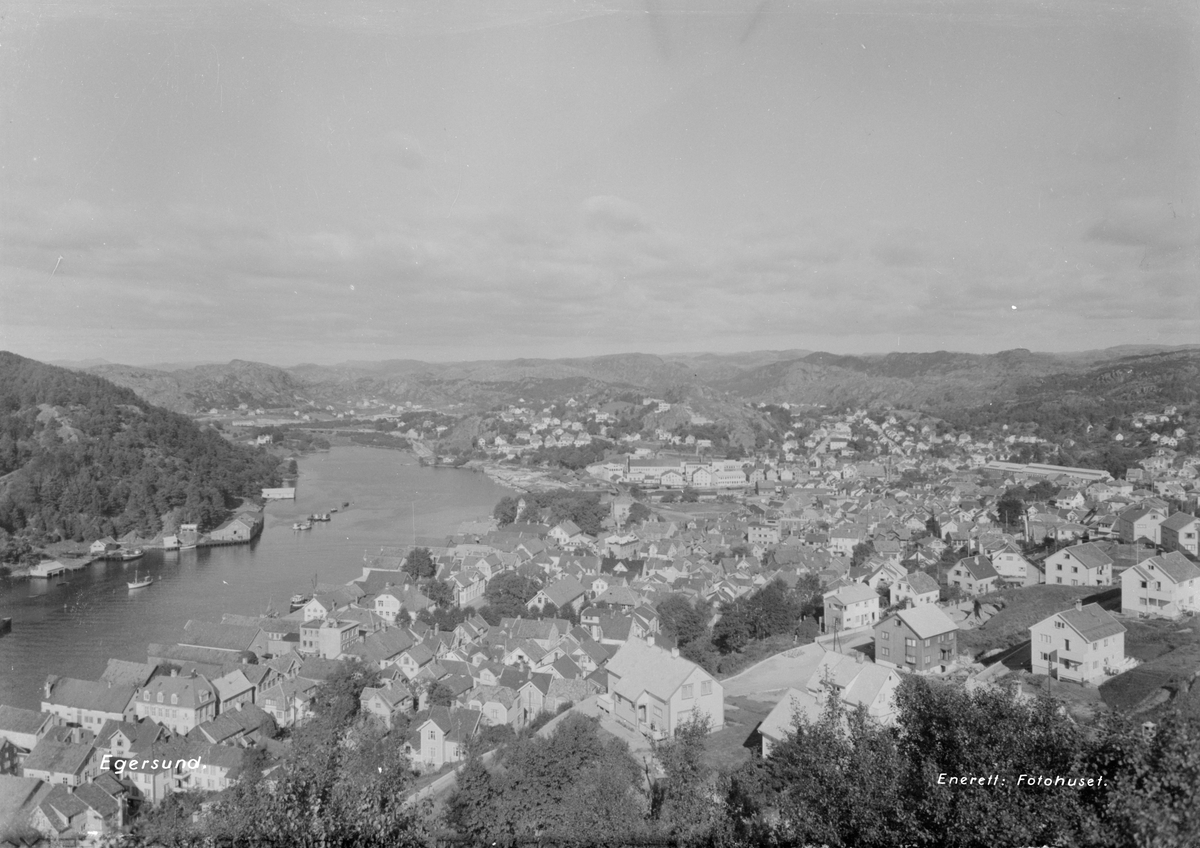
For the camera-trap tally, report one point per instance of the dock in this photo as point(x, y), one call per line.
point(53, 568)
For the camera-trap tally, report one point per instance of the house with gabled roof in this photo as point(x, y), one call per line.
point(1165, 586)
point(851, 607)
point(1181, 533)
point(1083, 643)
point(387, 701)
point(917, 588)
point(88, 703)
point(178, 702)
point(564, 593)
point(24, 728)
point(70, 761)
point(444, 735)
point(974, 575)
point(1141, 522)
point(654, 691)
point(920, 639)
point(1080, 565)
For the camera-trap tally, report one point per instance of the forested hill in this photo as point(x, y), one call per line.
point(81, 458)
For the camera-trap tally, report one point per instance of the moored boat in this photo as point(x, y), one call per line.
point(140, 583)
point(298, 601)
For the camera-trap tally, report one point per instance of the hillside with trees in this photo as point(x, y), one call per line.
point(81, 458)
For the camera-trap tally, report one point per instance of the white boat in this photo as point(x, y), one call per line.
point(141, 583)
point(136, 553)
point(302, 525)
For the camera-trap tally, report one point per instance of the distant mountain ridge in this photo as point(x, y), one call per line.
point(939, 381)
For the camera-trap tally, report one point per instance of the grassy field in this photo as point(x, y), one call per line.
point(731, 746)
point(1170, 655)
point(1024, 607)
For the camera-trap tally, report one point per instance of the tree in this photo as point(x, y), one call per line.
point(680, 800)
point(441, 592)
point(506, 510)
point(861, 553)
point(507, 594)
point(689, 495)
point(1010, 509)
point(934, 528)
point(638, 513)
point(440, 695)
point(680, 618)
point(419, 564)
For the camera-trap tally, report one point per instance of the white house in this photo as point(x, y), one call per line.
point(654, 691)
point(1080, 644)
point(1080, 565)
point(1165, 586)
point(851, 607)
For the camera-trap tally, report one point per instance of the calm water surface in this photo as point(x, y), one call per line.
point(72, 630)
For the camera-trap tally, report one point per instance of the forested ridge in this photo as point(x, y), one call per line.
point(81, 458)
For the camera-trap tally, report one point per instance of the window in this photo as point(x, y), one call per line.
point(1058, 567)
point(174, 699)
point(1067, 645)
point(706, 687)
point(885, 651)
point(1143, 584)
point(1074, 569)
point(926, 643)
point(1045, 637)
point(433, 734)
point(1058, 625)
point(910, 643)
point(687, 690)
point(1057, 579)
point(886, 636)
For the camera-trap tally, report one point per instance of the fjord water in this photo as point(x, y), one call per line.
point(72, 630)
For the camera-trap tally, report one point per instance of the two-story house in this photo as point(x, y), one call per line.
point(1165, 586)
point(974, 575)
point(444, 735)
point(920, 639)
point(1181, 532)
point(917, 589)
point(653, 690)
point(178, 702)
point(1080, 565)
point(87, 703)
point(851, 607)
point(1140, 522)
point(1081, 644)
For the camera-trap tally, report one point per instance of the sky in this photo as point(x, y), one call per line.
point(288, 182)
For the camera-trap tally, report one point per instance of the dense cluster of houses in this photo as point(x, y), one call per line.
point(874, 537)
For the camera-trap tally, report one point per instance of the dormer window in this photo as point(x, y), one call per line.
point(146, 694)
point(160, 697)
point(174, 699)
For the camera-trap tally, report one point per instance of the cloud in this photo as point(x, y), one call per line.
point(604, 212)
point(1149, 222)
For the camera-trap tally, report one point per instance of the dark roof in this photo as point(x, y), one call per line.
point(1092, 622)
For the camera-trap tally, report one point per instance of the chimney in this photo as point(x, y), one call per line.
point(174, 672)
point(1079, 603)
point(650, 639)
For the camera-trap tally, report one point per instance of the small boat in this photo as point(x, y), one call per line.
point(316, 516)
point(140, 583)
point(136, 553)
point(302, 525)
point(345, 504)
point(298, 602)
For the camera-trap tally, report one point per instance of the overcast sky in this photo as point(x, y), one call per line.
point(321, 181)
